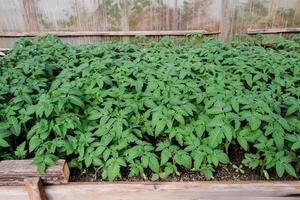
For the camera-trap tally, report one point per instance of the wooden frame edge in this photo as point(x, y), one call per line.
point(273, 30)
point(106, 33)
point(233, 190)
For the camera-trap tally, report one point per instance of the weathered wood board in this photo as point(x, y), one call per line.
point(13, 172)
point(163, 190)
point(35, 188)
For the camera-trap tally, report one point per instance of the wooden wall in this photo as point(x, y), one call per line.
point(226, 16)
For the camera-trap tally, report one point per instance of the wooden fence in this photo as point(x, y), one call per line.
point(99, 20)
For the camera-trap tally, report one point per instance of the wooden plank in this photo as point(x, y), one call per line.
point(161, 190)
point(4, 49)
point(105, 33)
point(13, 172)
point(273, 31)
point(35, 188)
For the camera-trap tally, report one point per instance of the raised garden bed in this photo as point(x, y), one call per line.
point(178, 109)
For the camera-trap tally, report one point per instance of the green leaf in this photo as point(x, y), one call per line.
point(215, 137)
point(278, 139)
point(97, 162)
point(222, 157)
point(290, 170)
point(113, 171)
point(3, 143)
point(76, 101)
point(145, 161)
point(199, 129)
point(34, 143)
point(296, 146)
point(249, 80)
point(106, 139)
point(165, 155)
point(183, 159)
point(154, 164)
point(41, 167)
point(179, 118)
point(279, 168)
point(243, 142)
point(160, 126)
point(93, 115)
point(216, 121)
point(235, 105)
point(228, 132)
point(292, 109)
point(106, 154)
point(198, 161)
point(88, 160)
point(154, 177)
point(254, 122)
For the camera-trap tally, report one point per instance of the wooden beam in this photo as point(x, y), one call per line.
point(13, 172)
point(239, 190)
point(105, 33)
point(35, 188)
point(273, 31)
point(4, 49)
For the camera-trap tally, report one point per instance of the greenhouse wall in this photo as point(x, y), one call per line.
point(224, 16)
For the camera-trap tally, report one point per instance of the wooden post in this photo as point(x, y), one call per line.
point(35, 188)
point(31, 23)
point(228, 9)
point(271, 13)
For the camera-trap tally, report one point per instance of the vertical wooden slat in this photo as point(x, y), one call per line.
point(35, 188)
point(227, 10)
point(271, 13)
point(30, 16)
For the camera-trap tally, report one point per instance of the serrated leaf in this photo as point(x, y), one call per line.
point(198, 161)
point(216, 121)
point(296, 146)
point(254, 122)
point(279, 169)
point(243, 142)
point(228, 132)
point(76, 101)
point(179, 118)
point(93, 115)
point(235, 105)
point(215, 137)
point(183, 159)
point(249, 80)
point(290, 170)
point(113, 171)
point(165, 155)
point(34, 143)
point(154, 164)
point(292, 109)
point(160, 126)
point(106, 139)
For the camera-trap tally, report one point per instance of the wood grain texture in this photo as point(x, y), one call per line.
point(273, 30)
point(30, 16)
point(164, 190)
point(104, 33)
point(13, 172)
point(35, 188)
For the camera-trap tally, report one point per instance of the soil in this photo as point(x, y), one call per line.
point(222, 172)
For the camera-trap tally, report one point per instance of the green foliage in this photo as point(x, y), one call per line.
point(126, 109)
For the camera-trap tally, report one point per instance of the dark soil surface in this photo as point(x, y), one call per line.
point(228, 172)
